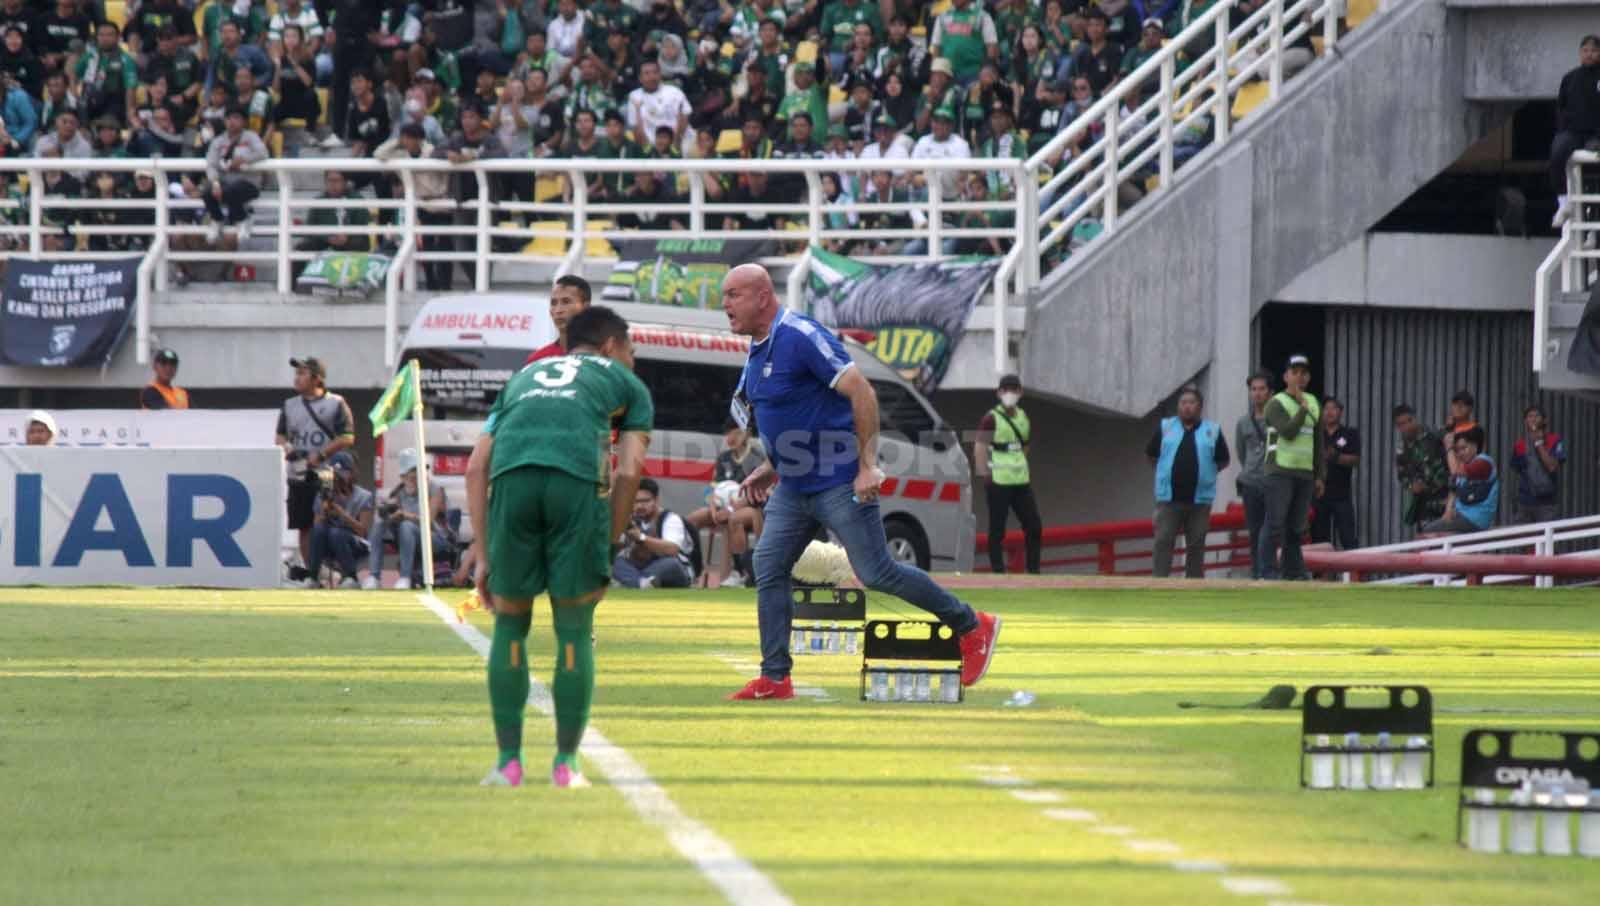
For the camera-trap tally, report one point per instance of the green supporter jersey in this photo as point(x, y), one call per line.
point(557, 414)
point(839, 23)
point(963, 40)
point(812, 102)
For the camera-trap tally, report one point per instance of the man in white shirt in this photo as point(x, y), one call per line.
point(564, 33)
point(943, 144)
point(887, 144)
point(296, 12)
point(653, 105)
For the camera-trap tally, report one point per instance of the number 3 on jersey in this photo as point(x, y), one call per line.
point(558, 372)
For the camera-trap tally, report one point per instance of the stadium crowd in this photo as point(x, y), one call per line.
point(231, 82)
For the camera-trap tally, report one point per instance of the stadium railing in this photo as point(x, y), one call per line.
point(1117, 546)
point(1514, 554)
point(1573, 265)
point(485, 229)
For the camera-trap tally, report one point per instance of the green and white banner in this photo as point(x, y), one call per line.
point(916, 313)
point(349, 274)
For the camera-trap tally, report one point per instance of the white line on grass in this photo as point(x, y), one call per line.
point(1037, 797)
point(1254, 887)
point(741, 883)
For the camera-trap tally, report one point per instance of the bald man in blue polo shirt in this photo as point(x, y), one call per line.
point(818, 417)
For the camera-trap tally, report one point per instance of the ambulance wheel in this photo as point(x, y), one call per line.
point(906, 542)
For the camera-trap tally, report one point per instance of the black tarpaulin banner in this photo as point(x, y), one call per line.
point(61, 314)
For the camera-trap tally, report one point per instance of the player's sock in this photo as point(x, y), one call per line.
point(573, 688)
point(508, 681)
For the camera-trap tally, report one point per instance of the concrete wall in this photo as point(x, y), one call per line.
point(1518, 50)
point(1358, 132)
point(1424, 270)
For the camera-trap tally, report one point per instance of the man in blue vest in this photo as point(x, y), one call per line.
point(1187, 453)
point(1474, 490)
point(818, 417)
point(1295, 468)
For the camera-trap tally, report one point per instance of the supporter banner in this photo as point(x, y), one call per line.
point(916, 313)
point(353, 274)
point(683, 272)
point(141, 517)
point(232, 428)
point(65, 315)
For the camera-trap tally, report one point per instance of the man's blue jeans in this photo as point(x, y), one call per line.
point(407, 542)
point(791, 523)
point(668, 572)
point(337, 543)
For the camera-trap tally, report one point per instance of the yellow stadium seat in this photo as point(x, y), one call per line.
point(1359, 11)
point(323, 96)
point(275, 143)
point(729, 141)
point(919, 31)
point(836, 95)
point(547, 187)
point(599, 246)
point(117, 12)
point(1152, 183)
point(1316, 45)
point(806, 52)
point(547, 246)
point(1249, 98)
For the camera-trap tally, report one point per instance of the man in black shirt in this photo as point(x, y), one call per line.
point(1335, 518)
point(15, 14)
point(1187, 453)
point(52, 41)
point(355, 35)
point(752, 196)
point(1098, 60)
point(1577, 118)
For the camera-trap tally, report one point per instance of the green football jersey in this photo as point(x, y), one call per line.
point(558, 412)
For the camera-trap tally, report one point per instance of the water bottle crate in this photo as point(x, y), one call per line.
point(1346, 746)
point(934, 674)
point(827, 603)
point(1525, 804)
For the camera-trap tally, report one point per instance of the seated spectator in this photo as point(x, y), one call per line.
point(229, 187)
point(103, 186)
point(1577, 119)
point(154, 17)
point(536, 54)
point(335, 187)
point(258, 104)
point(858, 113)
point(547, 130)
point(1099, 59)
point(897, 103)
point(106, 76)
point(64, 32)
point(157, 136)
point(236, 54)
point(41, 429)
point(649, 192)
point(883, 189)
point(565, 32)
point(183, 71)
point(294, 79)
point(398, 518)
point(665, 146)
point(414, 111)
point(942, 143)
point(737, 523)
point(18, 119)
point(342, 524)
point(213, 117)
point(754, 196)
point(981, 97)
point(655, 552)
point(807, 97)
point(997, 216)
point(899, 52)
point(131, 219)
point(654, 104)
point(1150, 38)
point(107, 138)
point(836, 202)
point(618, 145)
point(59, 95)
point(440, 104)
point(677, 67)
point(1461, 418)
point(17, 61)
point(1474, 489)
point(64, 139)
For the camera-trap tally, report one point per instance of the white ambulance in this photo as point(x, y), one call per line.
point(470, 345)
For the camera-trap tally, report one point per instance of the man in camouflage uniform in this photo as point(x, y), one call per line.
point(1420, 466)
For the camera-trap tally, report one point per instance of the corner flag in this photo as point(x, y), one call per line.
point(399, 401)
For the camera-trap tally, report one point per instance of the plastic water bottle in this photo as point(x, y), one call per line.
point(908, 686)
point(1555, 838)
point(851, 644)
point(950, 687)
point(924, 687)
point(1412, 763)
point(816, 640)
point(1589, 828)
point(1355, 763)
point(1483, 824)
point(797, 641)
point(1383, 765)
point(1322, 766)
point(1524, 837)
point(880, 686)
point(833, 638)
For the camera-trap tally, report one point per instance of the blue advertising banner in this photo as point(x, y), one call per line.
point(60, 314)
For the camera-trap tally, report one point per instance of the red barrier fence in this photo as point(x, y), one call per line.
point(1115, 543)
point(1473, 566)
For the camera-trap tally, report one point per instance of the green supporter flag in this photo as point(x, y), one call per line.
point(399, 402)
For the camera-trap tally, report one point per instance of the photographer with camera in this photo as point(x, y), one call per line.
point(313, 425)
point(398, 516)
point(655, 547)
point(344, 516)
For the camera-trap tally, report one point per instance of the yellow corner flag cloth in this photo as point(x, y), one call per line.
point(398, 402)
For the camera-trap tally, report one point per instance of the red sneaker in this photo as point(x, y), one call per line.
point(977, 648)
point(763, 688)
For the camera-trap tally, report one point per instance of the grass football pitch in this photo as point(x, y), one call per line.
point(181, 746)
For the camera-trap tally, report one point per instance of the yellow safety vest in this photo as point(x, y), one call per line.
point(1297, 453)
point(1008, 465)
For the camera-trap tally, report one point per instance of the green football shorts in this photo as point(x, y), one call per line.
point(548, 531)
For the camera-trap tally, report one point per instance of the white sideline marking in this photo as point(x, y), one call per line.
point(1037, 797)
point(1163, 847)
point(1204, 866)
point(1254, 887)
point(1073, 814)
point(1004, 780)
point(741, 883)
point(1113, 830)
point(990, 768)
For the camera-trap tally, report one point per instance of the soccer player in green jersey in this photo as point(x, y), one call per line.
point(556, 505)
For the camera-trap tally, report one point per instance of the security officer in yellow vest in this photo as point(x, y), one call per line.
point(1187, 453)
point(1001, 456)
point(1295, 469)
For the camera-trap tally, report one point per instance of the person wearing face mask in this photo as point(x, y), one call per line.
point(1002, 461)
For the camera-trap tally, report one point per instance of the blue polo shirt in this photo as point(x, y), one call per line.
point(804, 422)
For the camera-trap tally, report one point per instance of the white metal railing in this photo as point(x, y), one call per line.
point(1539, 539)
point(1189, 115)
point(480, 221)
point(1574, 262)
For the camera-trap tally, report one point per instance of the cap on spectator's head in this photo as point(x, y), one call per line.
point(106, 122)
point(1010, 380)
point(1465, 398)
point(43, 418)
point(342, 462)
point(804, 66)
point(425, 75)
point(311, 364)
point(165, 356)
point(144, 174)
point(945, 112)
point(885, 121)
point(837, 130)
point(614, 114)
point(413, 130)
point(1299, 361)
point(1155, 23)
point(408, 460)
point(943, 65)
